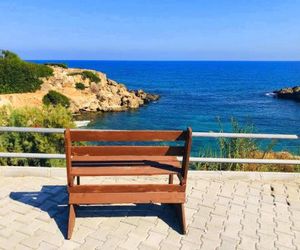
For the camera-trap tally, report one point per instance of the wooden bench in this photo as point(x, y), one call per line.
point(125, 160)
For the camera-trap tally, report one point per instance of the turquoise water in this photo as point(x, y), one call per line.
point(196, 93)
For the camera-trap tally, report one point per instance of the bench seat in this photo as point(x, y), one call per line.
point(123, 188)
point(126, 193)
point(124, 166)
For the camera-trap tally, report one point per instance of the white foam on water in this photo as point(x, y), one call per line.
point(272, 94)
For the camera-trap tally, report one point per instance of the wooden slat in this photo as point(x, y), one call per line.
point(141, 164)
point(123, 171)
point(130, 197)
point(88, 158)
point(125, 188)
point(128, 164)
point(127, 150)
point(128, 135)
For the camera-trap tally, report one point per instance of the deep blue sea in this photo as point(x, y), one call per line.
point(196, 93)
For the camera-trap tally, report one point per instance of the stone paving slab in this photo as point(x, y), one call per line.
point(223, 211)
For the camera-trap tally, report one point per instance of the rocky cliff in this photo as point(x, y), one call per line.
point(289, 93)
point(105, 95)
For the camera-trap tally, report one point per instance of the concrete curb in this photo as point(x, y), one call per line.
point(243, 175)
point(9, 171)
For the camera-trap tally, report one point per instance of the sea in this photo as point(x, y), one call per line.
point(205, 95)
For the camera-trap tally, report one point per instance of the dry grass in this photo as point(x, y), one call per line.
point(245, 148)
point(284, 155)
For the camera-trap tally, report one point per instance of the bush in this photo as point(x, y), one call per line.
point(40, 70)
point(80, 86)
point(48, 117)
point(55, 98)
point(17, 76)
point(10, 55)
point(61, 65)
point(74, 73)
point(87, 75)
point(90, 75)
point(244, 148)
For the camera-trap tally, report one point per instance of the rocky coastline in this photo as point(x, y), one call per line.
point(104, 96)
point(292, 93)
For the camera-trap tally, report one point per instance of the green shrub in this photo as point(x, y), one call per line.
point(10, 55)
point(61, 65)
point(40, 70)
point(87, 75)
point(18, 76)
point(48, 117)
point(74, 73)
point(244, 148)
point(80, 86)
point(55, 98)
point(90, 75)
point(230, 148)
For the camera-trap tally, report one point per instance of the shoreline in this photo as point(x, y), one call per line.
point(105, 95)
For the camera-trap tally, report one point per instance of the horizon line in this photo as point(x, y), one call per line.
point(164, 60)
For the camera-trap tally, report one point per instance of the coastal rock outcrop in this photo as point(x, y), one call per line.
point(288, 93)
point(101, 95)
point(146, 96)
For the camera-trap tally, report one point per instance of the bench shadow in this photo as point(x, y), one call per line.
point(126, 164)
point(54, 201)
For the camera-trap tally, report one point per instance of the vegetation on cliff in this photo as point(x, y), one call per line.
point(55, 98)
point(47, 117)
point(18, 76)
point(80, 86)
point(61, 65)
point(87, 75)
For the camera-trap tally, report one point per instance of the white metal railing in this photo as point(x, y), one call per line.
point(240, 135)
point(192, 159)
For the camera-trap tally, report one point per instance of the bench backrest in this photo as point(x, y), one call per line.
point(128, 150)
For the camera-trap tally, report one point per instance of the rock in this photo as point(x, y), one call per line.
point(151, 98)
point(94, 106)
point(146, 97)
point(288, 93)
point(107, 95)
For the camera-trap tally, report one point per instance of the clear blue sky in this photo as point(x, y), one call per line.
point(152, 29)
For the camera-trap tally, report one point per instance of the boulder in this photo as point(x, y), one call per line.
point(146, 97)
point(288, 93)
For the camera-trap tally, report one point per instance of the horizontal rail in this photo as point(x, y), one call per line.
point(195, 134)
point(244, 161)
point(32, 155)
point(192, 159)
point(246, 135)
point(33, 130)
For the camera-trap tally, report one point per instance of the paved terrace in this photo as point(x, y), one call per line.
point(223, 210)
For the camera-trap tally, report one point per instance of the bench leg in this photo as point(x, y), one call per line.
point(71, 223)
point(171, 181)
point(181, 212)
point(171, 178)
point(78, 180)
